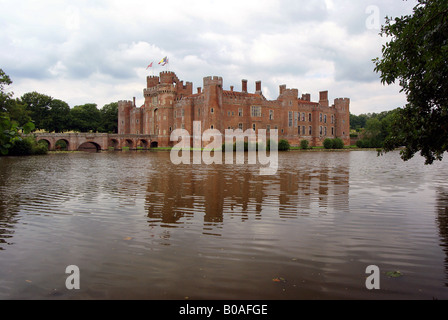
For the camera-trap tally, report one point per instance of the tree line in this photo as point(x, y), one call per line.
point(37, 111)
point(55, 115)
point(372, 129)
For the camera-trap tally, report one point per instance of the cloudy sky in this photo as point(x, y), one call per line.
point(97, 51)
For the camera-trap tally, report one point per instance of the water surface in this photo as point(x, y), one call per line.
point(139, 227)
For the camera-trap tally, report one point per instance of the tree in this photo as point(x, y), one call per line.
point(5, 80)
point(85, 118)
point(109, 118)
point(17, 111)
point(59, 116)
point(417, 57)
point(39, 106)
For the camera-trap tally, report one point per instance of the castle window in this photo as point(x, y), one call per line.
point(183, 126)
point(309, 117)
point(255, 111)
point(296, 118)
point(240, 112)
point(320, 117)
point(303, 116)
point(320, 130)
point(254, 126)
point(325, 131)
point(332, 118)
point(212, 127)
point(290, 119)
point(240, 126)
point(183, 112)
point(171, 129)
point(310, 130)
point(271, 114)
point(268, 128)
point(228, 113)
point(199, 111)
point(175, 113)
point(303, 130)
point(212, 110)
point(332, 131)
point(298, 131)
point(233, 113)
point(325, 118)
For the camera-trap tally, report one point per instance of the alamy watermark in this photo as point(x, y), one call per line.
point(373, 21)
point(73, 280)
point(212, 153)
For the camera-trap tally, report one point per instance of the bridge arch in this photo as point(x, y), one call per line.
point(114, 143)
point(129, 143)
point(62, 144)
point(89, 146)
point(46, 141)
point(143, 143)
point(154, 144)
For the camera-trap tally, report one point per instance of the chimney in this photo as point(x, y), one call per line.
point(258, 87)
point(231, 88)
point(306, 97)
point(199, 89)
point(323, 98)
point(282, 88)
point(134, 102)
point(244, 85)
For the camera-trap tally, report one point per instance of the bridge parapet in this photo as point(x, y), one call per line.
point(103, 141)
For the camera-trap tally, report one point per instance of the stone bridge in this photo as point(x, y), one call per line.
point(98, 141)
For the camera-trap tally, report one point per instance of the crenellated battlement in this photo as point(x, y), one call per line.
point(342, 104)
point(211, 81)
point(167, 98)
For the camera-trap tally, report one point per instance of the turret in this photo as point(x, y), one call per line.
point(213, 102)
point(124, 112)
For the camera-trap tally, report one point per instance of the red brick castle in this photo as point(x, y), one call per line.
point(170, 104)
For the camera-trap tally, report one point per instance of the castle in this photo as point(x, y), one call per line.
point(170, 104)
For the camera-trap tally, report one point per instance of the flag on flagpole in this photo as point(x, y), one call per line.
point(164, 61)
point(149, 66)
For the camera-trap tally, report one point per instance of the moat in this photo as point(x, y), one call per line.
point(140, 227)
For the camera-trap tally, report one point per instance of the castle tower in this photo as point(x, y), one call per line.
point(124, 116)
point(214, 113)
point(342, 115)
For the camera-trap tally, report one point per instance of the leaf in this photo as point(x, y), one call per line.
point(394, 274)
point(127, 238)
point(279, 279)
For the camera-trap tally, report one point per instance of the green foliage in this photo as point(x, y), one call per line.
point(328, 143)
point(358, 122)
point(109, 118)
point(10, 133)
point(283, 145)
point(5, 80)
point(59, 116)
point(26, 147)
point(338, 143)
point(416, 57)
point(304, 144)
point(85, 118)
point(39, 107)
point(335, 143)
